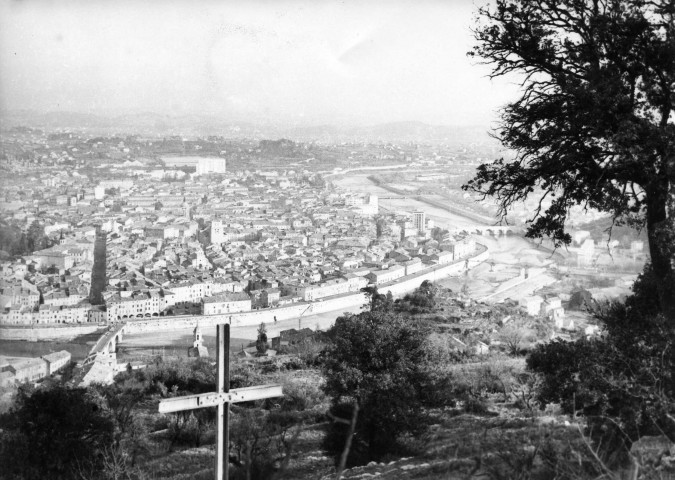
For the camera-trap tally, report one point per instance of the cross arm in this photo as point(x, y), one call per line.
point(191, 402)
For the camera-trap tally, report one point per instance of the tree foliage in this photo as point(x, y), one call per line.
point(421, 300)
point(594, 125)
point(379, 361)
point(624, 382)
point(376, 301)
point(261, 341)
point(17, 242)
point(56, 432)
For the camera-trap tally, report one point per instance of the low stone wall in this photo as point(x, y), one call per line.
point(346, 302)
point(34, 334)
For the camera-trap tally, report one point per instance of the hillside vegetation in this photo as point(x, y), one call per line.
point(404, 389)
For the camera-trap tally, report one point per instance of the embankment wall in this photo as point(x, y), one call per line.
point(34, 334)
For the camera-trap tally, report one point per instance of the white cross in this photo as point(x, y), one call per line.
point(221, 398)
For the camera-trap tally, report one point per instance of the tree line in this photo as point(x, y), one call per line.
point(15, 241)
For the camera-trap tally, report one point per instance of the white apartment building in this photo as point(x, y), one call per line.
point(419, 221)
point(226, 303)
point(211, 165)
point(379, 277)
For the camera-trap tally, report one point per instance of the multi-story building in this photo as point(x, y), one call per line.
point(56, 361)
point(162, 232)
point(19, 296)
point(62, 314)
point(442, 257)
point(325, 289)
point(211, 165)
point(140, 304)
point(27, 369)
point(460, 248)
point(226, 303)
point(379, 277)
point(531, 304)
point(413, 265)
point(270, 297)
point(419, 221)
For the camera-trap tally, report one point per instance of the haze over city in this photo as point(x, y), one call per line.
point(305, 63)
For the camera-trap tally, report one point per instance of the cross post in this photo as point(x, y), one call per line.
point(223, 415)
point(221, 398)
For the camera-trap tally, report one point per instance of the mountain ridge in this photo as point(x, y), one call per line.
point(151, 123)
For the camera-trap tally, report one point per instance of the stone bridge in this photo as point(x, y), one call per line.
point(100, 365)
point(108, 342)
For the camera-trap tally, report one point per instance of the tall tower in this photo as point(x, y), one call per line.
point(419, 221)
point(217, 231)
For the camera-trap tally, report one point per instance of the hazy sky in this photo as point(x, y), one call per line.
point(308, 62)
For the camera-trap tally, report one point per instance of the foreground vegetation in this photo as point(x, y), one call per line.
point(387, 388)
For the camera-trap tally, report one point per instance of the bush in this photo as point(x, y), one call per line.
point(482, 379)
point(193, 376)
point(299, 396)
point(260, 440)
point(475, 405)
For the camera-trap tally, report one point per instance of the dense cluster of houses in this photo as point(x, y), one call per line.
point(208, 244)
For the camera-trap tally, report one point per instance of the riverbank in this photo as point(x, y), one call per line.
point(442, 217)
point(479, 219)
point(40, 333)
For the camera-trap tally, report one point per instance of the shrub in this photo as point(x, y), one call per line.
point(260, 440)
point(475, 405)
point(299, 396)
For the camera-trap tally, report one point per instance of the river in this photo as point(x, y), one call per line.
point(359, 183)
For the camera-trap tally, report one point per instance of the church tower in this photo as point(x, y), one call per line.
point(198, 349)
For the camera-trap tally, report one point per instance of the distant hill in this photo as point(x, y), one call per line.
point(202, 125)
